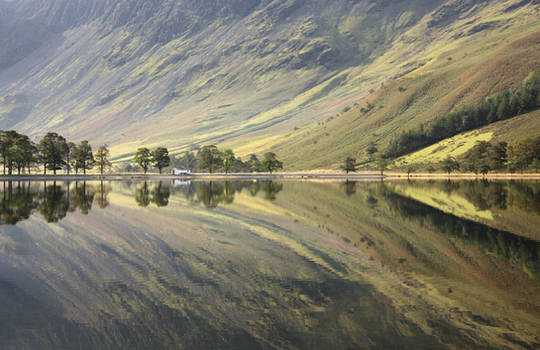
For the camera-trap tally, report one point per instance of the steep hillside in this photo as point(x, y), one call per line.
point(456, 76)
point(134, 72)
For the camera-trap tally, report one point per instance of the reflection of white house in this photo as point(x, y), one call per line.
point(180, 172)
point(179, 183)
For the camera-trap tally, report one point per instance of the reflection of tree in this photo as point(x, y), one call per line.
point(142, 195)
point(160, 195)
point(254, 188)
point(349, 187)
point(229, 193)
point(84, 197)
point(54, 204)
point(17, 205)
point(486, 195)
point(52, 201)
point(210, 193)
point(102, 194)
point(271, 189)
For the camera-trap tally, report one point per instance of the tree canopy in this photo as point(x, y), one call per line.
point(143, 158)
point(271, 163)
point(160, 158)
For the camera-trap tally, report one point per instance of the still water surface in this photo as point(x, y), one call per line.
point(270, 265)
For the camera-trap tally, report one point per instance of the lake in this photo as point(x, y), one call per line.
point(270, 265)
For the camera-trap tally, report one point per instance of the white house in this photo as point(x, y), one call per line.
point(180, 172)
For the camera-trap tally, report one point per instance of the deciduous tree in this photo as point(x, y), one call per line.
point(271, 163)
point(349, 165)
point(228, 160)
point(143, 158)
point(160, 158)
point(102, 159)
point(210, 158)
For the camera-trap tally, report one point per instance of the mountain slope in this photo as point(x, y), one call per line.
point(133, 72)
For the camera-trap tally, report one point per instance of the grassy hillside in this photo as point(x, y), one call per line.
point(511, 131)
point(456, 76)
point(183, 73)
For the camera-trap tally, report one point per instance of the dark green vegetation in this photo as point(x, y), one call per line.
point(506, 104)
point(264, 264)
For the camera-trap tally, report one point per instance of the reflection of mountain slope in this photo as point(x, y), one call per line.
point(448, 272)
point(157, 277)
point(507, 205)
point(297, 275)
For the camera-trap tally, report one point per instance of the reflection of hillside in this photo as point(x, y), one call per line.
point(323, 265)
point(516, 249)
point(152, 279)
point(52, 201)
point(506, 205)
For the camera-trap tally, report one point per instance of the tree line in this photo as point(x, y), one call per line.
point(212, 159)
point(53, 152)
point(486, 156)
point(505, 105)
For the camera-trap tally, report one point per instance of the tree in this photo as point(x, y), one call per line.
point(52, 148)
point(7, 140)
point(187, 161)
point(210, 158)
point(70, 155)
point(449, 164)
point(143, 158)
point(535, 164)
point(228, 160)
point(371, 150)
point(21, 154)
point(410, 169)
point(160, 158)
point(102, 159)
point(349, 165)
point(382, 163)
point(484, 169)
point(271, 163)
point(84, 157)
point(254, 163)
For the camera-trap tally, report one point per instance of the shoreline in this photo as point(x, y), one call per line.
point(301, 176)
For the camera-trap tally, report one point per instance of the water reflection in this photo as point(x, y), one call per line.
point(518, 250)
point(52, 200)
point(302, 265)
